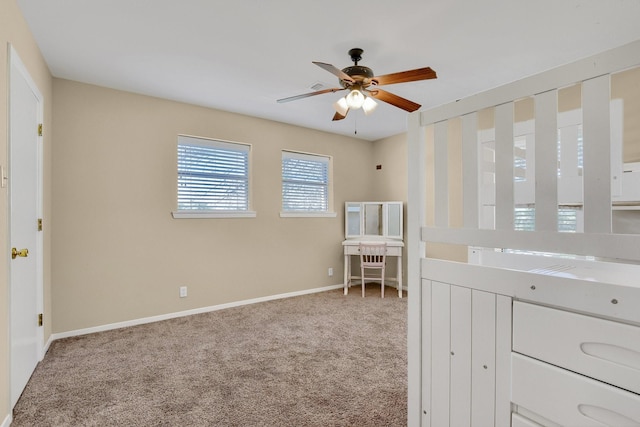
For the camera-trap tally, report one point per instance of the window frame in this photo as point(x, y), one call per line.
point(216, 213)
point(329, 212)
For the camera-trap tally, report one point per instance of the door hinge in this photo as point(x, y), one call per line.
point(40, 322)
point(40, 129)
point(39, 224)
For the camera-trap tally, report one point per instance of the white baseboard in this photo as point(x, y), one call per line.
point(167, 316)
point(7, 421)
point(47, 344)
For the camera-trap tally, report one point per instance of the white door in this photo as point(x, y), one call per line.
point(25, 112)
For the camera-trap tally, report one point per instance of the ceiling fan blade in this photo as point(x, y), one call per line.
point(338, 116)
point(333, 70)
point(306, 95)
point(395, 100)
point(406, 76)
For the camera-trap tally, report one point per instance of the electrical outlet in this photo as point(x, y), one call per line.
point(330, 272)
point(183, 291)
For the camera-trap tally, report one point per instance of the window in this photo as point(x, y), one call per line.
point(305, 184)
point(213, 178)
point(569, 219)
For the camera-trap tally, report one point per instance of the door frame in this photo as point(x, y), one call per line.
point(15, 63)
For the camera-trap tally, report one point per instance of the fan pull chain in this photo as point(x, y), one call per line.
point(355, 125)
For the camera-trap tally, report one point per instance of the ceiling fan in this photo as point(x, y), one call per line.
point(363, 86)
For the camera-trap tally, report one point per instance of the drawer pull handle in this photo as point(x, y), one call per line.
point(606, 416)
point(612, 353)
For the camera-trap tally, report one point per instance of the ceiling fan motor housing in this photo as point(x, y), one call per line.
point(361, 74)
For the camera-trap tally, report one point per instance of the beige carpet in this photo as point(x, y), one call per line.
point(315, 360)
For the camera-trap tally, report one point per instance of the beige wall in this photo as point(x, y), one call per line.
point(390, 182)
point(454, 169)
point(14, 31)
point(626, 86)
point(117, 252)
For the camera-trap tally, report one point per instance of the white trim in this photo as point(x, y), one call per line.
point(190, 214)
point(548, 286)
point(14, 61)
point(201, 310)
point(7, 421)
point(621, 246)
point(214, 142)
point(293, 214)
point(301, 155)
point(47, 345)
point(416, 210)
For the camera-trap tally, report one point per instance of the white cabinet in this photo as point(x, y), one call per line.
point(597, 348)
point(468, 362)
point(570, 399)
point(574, 369)
point(497, 360)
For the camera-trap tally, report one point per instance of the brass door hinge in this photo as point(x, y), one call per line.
point(39, 224)
point(40, 322)
point(40, 129)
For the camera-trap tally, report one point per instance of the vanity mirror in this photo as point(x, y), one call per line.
point(370, 219)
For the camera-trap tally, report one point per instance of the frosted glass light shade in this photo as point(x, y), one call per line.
point(355, 99)
point(341, 106)
point(369, 105)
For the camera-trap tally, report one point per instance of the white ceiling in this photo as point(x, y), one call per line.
point(243, 55)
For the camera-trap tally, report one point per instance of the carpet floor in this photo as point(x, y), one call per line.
point(322, 359)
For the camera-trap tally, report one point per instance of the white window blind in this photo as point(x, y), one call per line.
point(305, 182)
point(212, 175)
point(525, 219)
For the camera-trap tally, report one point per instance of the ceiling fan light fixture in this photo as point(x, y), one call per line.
point(369, 105)
point(341, 106)
point(355, 99)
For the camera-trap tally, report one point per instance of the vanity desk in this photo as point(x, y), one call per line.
point(373, 222)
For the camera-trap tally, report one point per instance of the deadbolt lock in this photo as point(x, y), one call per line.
point(21, 253)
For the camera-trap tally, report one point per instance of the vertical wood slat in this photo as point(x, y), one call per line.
point(425, 408)
point(597, 154)
point(440, 353)
point(470, 166)
point(503, 361)
point(416, 211)
point(617, 146)
point(460, 413)
point(441, 178)
point(483, 363)
point(546, 150)
point(504, 166)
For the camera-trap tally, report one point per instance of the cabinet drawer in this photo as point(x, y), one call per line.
point(518, 421)
point(392, 250)
point(601, 349)
point(570, 399)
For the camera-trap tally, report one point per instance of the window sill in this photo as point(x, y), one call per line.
point(307, 214)
point(212, 214)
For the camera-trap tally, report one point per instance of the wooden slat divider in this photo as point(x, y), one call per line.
point(504, 166)
point(605, 245)
point(546, 161)
point(470, 167)
point(441, 177)
point(596, 137)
